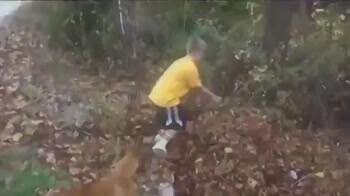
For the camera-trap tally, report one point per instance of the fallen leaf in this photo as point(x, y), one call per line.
point(337, 174)
point(239, 186)
point(9, 128)
point(251, 149)
point(50, 158)
point(17, 136)
point(93, 175)
point(319, 174)
point(1, 62)
point(73, 159)
point(77, 180)
point(224, 167)
point(293, 175)
point(19, 102)
point(199, 160)
point(29, 128)
point(228, 150)
point(37, 122)
point(74, 171)
point(147, 140)
point(8, 180)
point(75, 134)
point(252, 183)
point(86, 180)
point(41, 152)
point(11, 89)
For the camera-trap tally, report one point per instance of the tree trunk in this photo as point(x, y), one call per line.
point(277, 28)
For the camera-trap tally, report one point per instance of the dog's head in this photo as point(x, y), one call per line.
point(130, 162)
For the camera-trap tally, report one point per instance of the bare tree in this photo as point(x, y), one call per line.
point(121, 16)
point(278, 22)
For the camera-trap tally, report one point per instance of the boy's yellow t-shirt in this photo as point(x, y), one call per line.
point(176, 81)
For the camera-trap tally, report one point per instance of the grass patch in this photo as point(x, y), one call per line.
point(28, 182)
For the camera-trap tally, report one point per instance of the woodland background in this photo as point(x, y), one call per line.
point(75, 74)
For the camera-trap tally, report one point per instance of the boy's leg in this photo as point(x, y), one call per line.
point(155, 171)
point(171, 120)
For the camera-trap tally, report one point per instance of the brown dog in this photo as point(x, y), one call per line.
point(118, 183)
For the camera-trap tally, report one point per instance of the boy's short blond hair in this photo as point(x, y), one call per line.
point(195, 44)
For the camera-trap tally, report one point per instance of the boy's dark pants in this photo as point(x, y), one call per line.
point(175, 117)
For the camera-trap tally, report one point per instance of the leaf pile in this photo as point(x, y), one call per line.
point(241, 153)
point(68, 123)
point(73, 124)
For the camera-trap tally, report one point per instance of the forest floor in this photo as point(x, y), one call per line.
point(58, 124)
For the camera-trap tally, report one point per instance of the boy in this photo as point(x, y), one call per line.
point(180, 77)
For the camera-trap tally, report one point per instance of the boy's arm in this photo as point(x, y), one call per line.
point(195, 82)
point(214, 97)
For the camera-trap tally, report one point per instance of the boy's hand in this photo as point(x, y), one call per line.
point(214, 97)
point(217, 99)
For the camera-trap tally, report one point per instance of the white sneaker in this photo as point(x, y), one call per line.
point(159, 147)
point(161, 140)
point(157, 138)
point(166, 189)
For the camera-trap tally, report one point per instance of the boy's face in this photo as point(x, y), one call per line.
point(198, 55)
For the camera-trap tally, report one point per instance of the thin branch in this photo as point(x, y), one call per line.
point(185, 16)
point(121, 17)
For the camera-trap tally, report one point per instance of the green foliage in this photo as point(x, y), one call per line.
point(158, 30)
point(21, 173)
point(78, 26)
point(28, 182)
point(93, 28)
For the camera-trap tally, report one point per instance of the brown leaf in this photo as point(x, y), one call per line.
point(224, 167)
point(74, 171)
point(17, 136)
point(228, 150)
point(252, 183)
point(9, 128)
point(19, 102)
point(147, 140)
point(50, 158)
point(320, 174)
point(11, 89)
